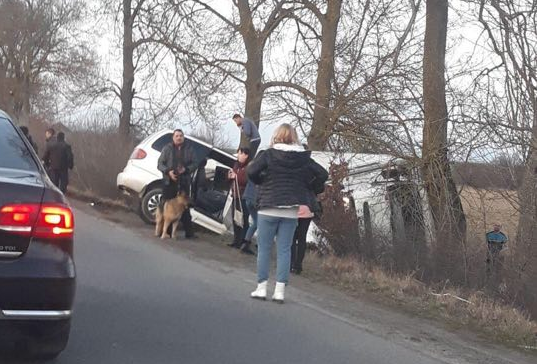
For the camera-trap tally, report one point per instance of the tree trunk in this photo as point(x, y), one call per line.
point(20, 99)
point(254, 45)
point(323, 122)
point(254, 80)
point(445, 205)
point(526, 248)
point(4, 91)
point(21, 96)
point(24, 118)
point(127, 92)
point(369, 244)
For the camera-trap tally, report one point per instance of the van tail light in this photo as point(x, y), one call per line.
point(47, 221)
point(138, 153)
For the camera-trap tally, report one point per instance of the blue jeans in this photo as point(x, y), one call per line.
point(250, 205)
point(283, 229)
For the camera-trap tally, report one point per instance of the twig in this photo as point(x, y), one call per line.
point(451, 295)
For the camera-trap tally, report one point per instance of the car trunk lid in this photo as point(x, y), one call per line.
point(21, 194)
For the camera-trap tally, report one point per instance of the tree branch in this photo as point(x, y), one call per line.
point(291, 85)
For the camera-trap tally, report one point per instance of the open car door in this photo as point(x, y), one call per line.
point(211, 190)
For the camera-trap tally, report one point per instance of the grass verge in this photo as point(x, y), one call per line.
point(90, 197)
point(473, 310)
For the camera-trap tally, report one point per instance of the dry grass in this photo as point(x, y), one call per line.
point(486, 207)
point(100, 154)
point(476, 311)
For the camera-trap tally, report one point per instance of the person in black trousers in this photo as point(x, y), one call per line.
point(58, 160)
point(305, 215)
point(177, 162)
point(298, 249)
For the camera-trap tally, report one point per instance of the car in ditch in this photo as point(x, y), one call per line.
point(210, 185)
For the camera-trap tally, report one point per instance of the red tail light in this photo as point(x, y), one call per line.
point(54, 221)
point(18, 219)
point(138, 153)
point(48, 221)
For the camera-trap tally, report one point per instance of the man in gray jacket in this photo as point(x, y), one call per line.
point(249, 132)
point(177, 162)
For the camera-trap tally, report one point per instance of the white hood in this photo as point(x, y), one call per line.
point(289, 147)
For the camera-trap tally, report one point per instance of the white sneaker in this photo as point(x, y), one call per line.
point(261, 291)
point(279, 292)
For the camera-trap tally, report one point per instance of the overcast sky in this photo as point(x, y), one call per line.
point(463, 36)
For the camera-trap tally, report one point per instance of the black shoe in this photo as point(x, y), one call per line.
point(247, 250)
point(234, 245)
point(191, 236)
point(245, 247)
point(296, 270)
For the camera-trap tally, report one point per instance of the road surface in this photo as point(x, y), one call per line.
point(140, 300)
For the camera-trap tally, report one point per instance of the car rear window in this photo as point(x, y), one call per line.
point(200, 151)
point(14, 153)
point(161, 142)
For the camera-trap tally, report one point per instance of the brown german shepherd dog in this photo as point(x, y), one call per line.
point(170, 213)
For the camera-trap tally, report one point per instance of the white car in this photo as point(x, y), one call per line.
point(210, 185)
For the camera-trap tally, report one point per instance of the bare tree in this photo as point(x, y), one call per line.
point(146, 95)
point(444, 202)
point(218, 49)
point(40, 50)
point(138, 51)
point(512, 31)
point(127, 90)
point(321, 97)
point(352, 67)
point(321, 127)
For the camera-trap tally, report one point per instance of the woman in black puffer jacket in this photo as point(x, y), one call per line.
point(285, 174)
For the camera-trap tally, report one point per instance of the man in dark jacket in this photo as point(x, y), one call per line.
point(177, 162)
point(26, 133)
point(496, 240)
point(58, 160)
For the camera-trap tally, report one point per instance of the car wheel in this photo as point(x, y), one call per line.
point(149, 204)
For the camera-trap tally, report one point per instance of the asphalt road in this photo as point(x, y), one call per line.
point(142, 301)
